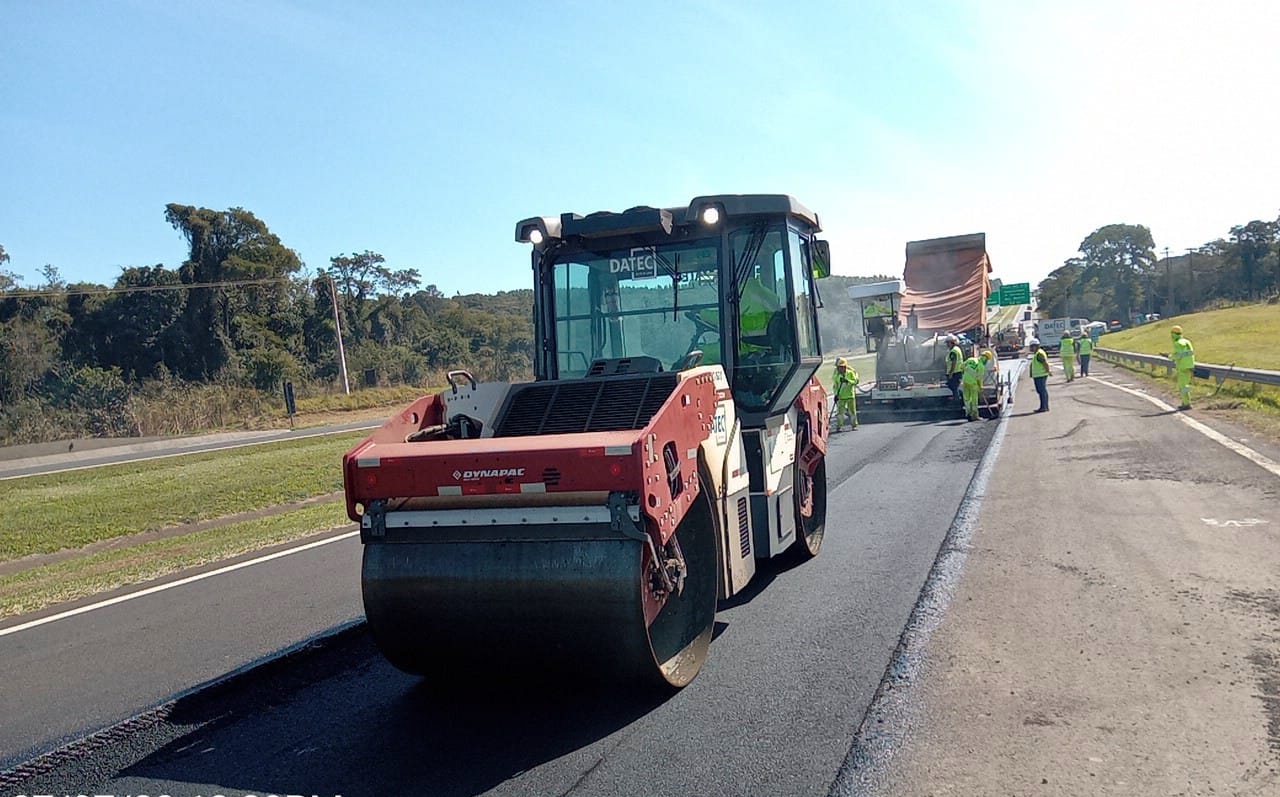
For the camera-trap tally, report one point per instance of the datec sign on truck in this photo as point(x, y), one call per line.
point(1050, 330)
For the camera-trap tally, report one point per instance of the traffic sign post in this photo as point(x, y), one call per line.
point(290, 404)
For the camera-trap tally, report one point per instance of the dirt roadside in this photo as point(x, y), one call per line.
point(1116, 627)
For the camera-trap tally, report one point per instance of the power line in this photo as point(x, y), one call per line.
point(26, 294)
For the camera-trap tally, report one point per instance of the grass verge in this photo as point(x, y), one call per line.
point(1004, 317)
point(368, 398)
point(39, 587)
point(1242, 335)
point(43, 514)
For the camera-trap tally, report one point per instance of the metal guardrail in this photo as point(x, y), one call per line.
point(1217, 373)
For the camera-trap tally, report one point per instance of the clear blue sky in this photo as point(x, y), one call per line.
point(425, 130)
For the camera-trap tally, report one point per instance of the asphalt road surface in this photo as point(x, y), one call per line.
point(92, 670)
point(1117, 627)
point(793, 667)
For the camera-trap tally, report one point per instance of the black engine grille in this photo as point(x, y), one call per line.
point(584, 405)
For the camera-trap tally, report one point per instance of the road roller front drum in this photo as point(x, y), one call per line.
point(574, 600)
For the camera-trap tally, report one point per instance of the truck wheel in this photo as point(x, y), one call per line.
point(812, 489)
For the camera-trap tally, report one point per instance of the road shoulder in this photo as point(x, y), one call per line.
point(1115, 628)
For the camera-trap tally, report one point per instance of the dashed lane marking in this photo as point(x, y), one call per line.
point(1260, 460)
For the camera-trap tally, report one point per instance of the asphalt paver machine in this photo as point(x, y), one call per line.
point(906, 323)
point(587, 522)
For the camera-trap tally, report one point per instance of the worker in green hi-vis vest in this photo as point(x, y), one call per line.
point(1067, 351)
point(845, 385)
point(1184, 361)
point(1085, 354)
point(975, 368)
point(1040, 373)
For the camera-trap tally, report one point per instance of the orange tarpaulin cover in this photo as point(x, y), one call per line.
point(946, 283)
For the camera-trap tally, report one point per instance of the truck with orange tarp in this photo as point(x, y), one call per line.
point(943, 292)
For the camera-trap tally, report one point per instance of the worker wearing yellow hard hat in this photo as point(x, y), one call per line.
point(845, 387)
point(989, 357)
point(971, 383)
point(1184, 363)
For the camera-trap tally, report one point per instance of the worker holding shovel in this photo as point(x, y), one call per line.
point(846, 384)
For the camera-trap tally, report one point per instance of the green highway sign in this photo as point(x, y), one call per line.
point(994, 297)
point(1015, 293)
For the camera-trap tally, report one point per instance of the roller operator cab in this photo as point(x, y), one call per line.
point(585, 524)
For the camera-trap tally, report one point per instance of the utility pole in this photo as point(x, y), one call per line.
point(337, 328)
point(1191, 277)
point(1168, 278)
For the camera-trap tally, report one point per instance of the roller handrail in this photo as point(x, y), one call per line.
point(455, 376)
point(1218, 373)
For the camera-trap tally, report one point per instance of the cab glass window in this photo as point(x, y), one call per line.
point(658, 301)
point(766, 351)
point(802, 276)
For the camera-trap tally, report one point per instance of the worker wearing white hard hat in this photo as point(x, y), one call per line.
point(955, 366)
point(1085, 353)
point(1040, 373)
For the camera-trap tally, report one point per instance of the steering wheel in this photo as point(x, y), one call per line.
point(701, 327)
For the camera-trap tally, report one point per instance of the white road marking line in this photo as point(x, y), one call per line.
point(1249, 521)
point(182, 453)
point(179, 583)
point(1248, 453)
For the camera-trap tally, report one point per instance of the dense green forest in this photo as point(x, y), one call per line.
point(1119, 274)
point(164, 350)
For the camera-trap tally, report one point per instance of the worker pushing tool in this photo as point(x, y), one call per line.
point(975, 368)
point(844, 385)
